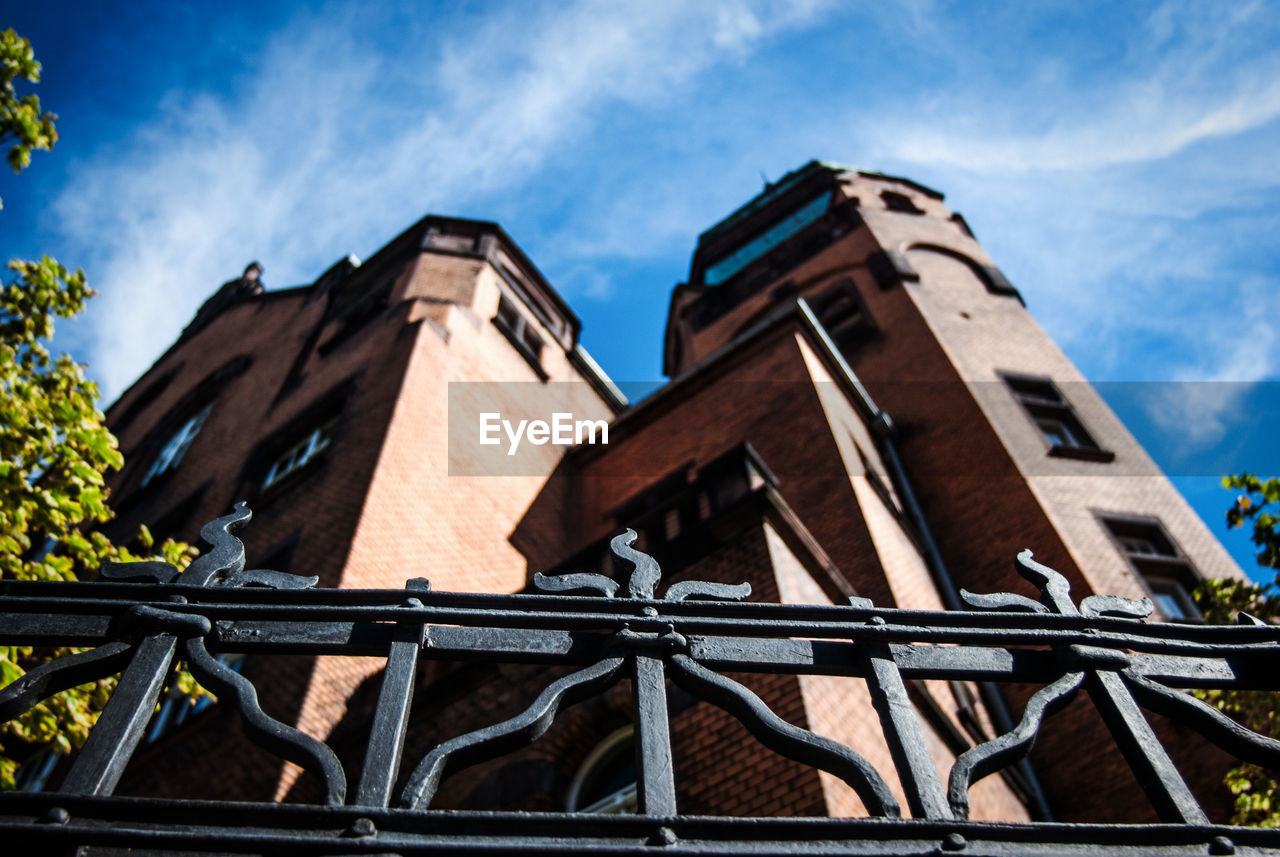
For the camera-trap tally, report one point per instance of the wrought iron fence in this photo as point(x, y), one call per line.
point(141, 616)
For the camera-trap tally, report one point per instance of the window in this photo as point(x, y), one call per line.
point(899, 202)
point(605, 784)
point(171, 453)
point(843, 314)
point(727, 266)
point(1155, 558)
point(1053, 415)
point(177, 707)
point(520, 333)
point(33, 774)
point(300, 454)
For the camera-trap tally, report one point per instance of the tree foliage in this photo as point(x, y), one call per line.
point(22, 126)
point(54, 446)
point(1257, 790)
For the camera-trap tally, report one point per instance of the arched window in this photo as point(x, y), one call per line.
point(606, 782)
point(175, 447)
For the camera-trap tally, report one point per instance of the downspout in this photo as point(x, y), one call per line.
point(991, 698)
point(884, 430)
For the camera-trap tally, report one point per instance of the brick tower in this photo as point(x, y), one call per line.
point(1003, 439)
point(326, 408)
point(860, 407)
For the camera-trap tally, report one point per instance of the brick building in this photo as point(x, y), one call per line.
point(859, 407)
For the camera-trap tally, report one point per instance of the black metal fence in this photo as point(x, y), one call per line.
point(142, 616)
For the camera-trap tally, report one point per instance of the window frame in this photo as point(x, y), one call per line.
point(851, 327)
point(175, 448)
point(623, 801)
point(178, 707)
point(900, 202)
point(1048, 405)
point(311, 446)
point(1167, 575)
point(324, 415)
point(764, 240)
point(516, 327)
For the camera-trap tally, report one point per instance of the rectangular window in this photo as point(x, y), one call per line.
point(33, 774)
point(300, 454)
point(520, 333)
point(1166, 573)
point(843, 314)
point(177, 707)
point(1053, 415)
point(727, 266)
point(899, 202)
point(170, 455)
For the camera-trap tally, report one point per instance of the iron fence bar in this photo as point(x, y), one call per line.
point(920, 782)
point(656, 777)
point(1250, 667)
point(381, 605)
point(1034, 632)
point(659, 633)
point(40, 823)
point(391, 720)
point(1137, 741)
point(111, 743)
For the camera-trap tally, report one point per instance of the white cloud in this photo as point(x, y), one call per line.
point(1208, 397)
point(1191, 74)
point(1123, 199)
point(310, 161)
point(1096, 192)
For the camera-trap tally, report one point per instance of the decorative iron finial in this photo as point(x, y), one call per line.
point(1055, 596)
point(223, 565)
point(643, 580)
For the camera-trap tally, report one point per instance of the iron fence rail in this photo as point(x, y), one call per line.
point(144, 616)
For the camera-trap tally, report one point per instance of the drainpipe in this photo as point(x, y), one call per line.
point(884, 431)
point(1000, 718)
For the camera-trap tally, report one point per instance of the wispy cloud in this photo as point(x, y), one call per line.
point(1126, 182)
point(1192, 73)
point(1129, 194)
point(311, 159)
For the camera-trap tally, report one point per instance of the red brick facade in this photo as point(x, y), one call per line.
point(770, 457)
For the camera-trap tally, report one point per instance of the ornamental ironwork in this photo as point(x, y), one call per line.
point(140, 617)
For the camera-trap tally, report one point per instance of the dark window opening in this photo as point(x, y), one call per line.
point(679, 503)
point(178, 707)
point(177, 444)
point(606, 782)
point(889, 267)
point(1156, 559)
point(520, 333)
point(843, 313)
point(899, 202)
point(300, 447)
point(761, 243)
point(302, 453)
point(1053, 415)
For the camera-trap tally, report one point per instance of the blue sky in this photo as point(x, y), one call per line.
point(1118, 160)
